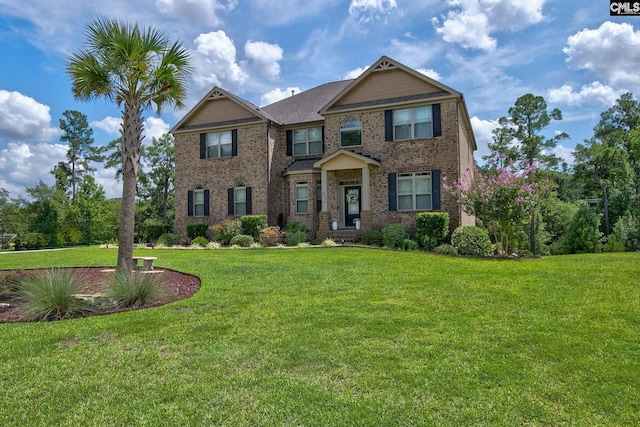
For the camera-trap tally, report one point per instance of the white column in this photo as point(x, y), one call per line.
point(325, 188)
point(366, 189)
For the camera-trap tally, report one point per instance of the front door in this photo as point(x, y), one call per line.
point(351, 205)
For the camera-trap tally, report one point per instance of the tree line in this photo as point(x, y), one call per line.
point(74, 210)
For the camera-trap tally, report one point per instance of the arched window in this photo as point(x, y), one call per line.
point(351, 133)
point(240, 199)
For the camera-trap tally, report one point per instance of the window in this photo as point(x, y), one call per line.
point(412, 123)
point(351, 133)
point(198, 202)
point(240, 199)
point(307, 141)
point(302, 198)
point(219, 144)
point(318, 198)
point(414, 191)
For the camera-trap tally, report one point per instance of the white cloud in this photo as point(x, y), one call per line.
point(154, 127)
point(23, 165)
point(195, 11)
point(429, 73)
point(473, 22)
point(354, 74)
point(483, 131)
point(109, 124)
point(22, 118)
point(612, 52)
point(366, 10)
point(215, 62)
point(106, 178)
point(264, 58)
point(286, 11)
point(593, 93)
point(277, 94)
point(565, 154)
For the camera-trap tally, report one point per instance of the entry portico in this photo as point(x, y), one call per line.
point(345, 199)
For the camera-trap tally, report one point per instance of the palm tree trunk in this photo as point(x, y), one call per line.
point(131, 142)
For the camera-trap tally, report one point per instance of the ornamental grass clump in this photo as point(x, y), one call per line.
point(50, 295)
point(134, 289)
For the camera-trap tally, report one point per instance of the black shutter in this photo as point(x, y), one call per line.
point(323, 139)
point(203, 145)
point(289, 142)
point(436, 204)
point(388, 125)
point(206, 202)
point(437, 121)
point(248, 196)
point(393, 194)
point(234, 142)
point(190, 203)
point(230, 204)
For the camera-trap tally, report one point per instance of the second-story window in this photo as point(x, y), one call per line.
point(413, 123)
point(219, 144)
point(351, 133)
point(307, 141)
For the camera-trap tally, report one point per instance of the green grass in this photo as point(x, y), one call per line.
point(340, 336)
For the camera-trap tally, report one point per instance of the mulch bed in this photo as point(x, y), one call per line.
point(176, 286)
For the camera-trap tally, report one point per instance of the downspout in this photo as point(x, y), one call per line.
point(268, 172)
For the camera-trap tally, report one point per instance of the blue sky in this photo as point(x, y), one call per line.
point(493, 51)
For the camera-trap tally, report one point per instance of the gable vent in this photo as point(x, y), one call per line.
point(216, 94)
point(385, 65)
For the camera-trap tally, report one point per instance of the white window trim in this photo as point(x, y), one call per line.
point(414, 193)
point(412, 123)
point(196, 192)
point(217, 144)
point(306, 142)
point(300, 185)
point(350, 129)
point(239, 186)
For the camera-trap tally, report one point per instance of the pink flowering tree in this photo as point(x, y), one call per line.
point(502, 199)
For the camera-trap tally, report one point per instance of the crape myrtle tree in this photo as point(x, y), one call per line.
point(136, 68)
point(501, 197)
point(520, 136)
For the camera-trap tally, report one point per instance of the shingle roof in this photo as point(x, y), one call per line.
point(302, 164)
point(304, 106)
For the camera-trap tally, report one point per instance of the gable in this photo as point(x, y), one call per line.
point(218, 110)
point(387, 84)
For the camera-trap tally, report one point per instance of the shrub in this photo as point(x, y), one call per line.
point(372, 238)
point(296, 233)
point(445, 249)
point(614, 245)
point(168, 239)
point(431, 229)
point(49, 296)
point(226, 230)
point(134, 289)
point(471, 240)
point(583, 235)
point(200, 241)
point(213, 245)
point(393, 235)
point(253, 225)
point(197, 230)
point(410, 245)
point(272, 236)
point(34, 241)
point(153, 232)
point(328, 243)
point(627, 231)
point(242, 240)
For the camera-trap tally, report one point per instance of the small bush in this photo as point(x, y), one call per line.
point(134, 289)
point(627, 231)
point(445, 249)
point(49, 296)
point(242, 240)
point(372, 238)
point(431, 229)
point(227, 230)
point(393, 235)
point(296, 234)
point(471, 240)
point(272, 236)
point(328, 243)
point(152, 232)
point(253, 225)
point(614, 245)
point(197, 230)
point(168, 239)
point(34, 241)
point(583, 235)
point(213, 245)
point(410, 245)
point(200, 241)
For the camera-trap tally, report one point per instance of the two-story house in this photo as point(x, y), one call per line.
point(362, 153)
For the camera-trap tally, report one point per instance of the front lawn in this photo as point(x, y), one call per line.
point(339, 336)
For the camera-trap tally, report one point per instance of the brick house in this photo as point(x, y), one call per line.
point(364, 153)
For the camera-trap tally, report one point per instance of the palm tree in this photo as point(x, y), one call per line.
point(139, 68)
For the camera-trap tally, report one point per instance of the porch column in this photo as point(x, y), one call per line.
point(325, 189)
point(366, 189)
